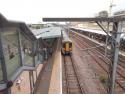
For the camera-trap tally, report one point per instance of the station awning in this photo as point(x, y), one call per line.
point(95, 19)
point(5, 23)
point(91, 31)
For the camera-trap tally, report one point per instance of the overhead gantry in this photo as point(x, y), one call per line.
point(117, 30)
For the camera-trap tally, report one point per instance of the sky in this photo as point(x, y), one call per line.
point(32, 11)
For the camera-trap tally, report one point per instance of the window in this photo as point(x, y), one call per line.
point(36, 52)
point(70, 45)
point(1, 74)
point(27, 50)
point(10, 50)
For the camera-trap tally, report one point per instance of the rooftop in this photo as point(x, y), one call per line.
point(50, 32)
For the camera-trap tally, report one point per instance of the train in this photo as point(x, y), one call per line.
point(66, 44)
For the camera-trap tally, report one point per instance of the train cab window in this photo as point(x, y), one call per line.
point(70, 45)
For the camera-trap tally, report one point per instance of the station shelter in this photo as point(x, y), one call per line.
point(21, 49)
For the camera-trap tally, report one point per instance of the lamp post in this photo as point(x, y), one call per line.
point(110, 7)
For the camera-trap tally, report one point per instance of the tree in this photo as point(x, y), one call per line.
point(103, 13)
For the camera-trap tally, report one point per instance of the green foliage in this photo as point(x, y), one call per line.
point(103, 79)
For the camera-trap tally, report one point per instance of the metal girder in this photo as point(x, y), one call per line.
point(109, 19)
point(102, 28)
point(117, 28)
point(115, 57)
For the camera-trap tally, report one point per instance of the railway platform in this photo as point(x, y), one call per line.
point(56, 77)
point(51, 79)
point(101, 44)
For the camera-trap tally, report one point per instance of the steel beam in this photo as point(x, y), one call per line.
point(3, 66)
point(98, 19)
point(115, 57)
point(20, 48)
point(106, 41)
point(103, 28)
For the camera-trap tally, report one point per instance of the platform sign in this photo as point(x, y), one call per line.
point(27, 50)
point(10, 50)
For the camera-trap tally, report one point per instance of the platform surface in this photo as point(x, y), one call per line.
point(45, 78)
point(56, 77)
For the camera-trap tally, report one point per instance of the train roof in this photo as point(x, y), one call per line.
point(65, 37)
point(64, 34)
point(66, 40)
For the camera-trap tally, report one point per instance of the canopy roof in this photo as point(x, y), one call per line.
point(50, 32)
point(95, 19)
point(91, 31)
point(4, 23)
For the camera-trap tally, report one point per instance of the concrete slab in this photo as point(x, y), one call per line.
point(56, 78)
point(44, 80)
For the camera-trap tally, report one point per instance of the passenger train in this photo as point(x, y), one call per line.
point(66, 44)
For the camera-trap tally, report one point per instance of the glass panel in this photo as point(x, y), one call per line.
point(36, 59)
point(26, 46)
point(41, 56)
point(41, 53)
point(10, 49)
point(1, 74)
point(36, 51)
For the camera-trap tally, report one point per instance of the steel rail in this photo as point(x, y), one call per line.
point(105, 69)
point(75, 74)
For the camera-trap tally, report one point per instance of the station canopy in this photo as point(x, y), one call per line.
point(16, 42)
point(91, 31)
point(5, 23)
point(46, 33)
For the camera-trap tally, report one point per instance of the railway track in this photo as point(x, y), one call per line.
point(72, 78)
point(98, 55)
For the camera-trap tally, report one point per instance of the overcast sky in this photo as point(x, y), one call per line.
point(32, 11)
